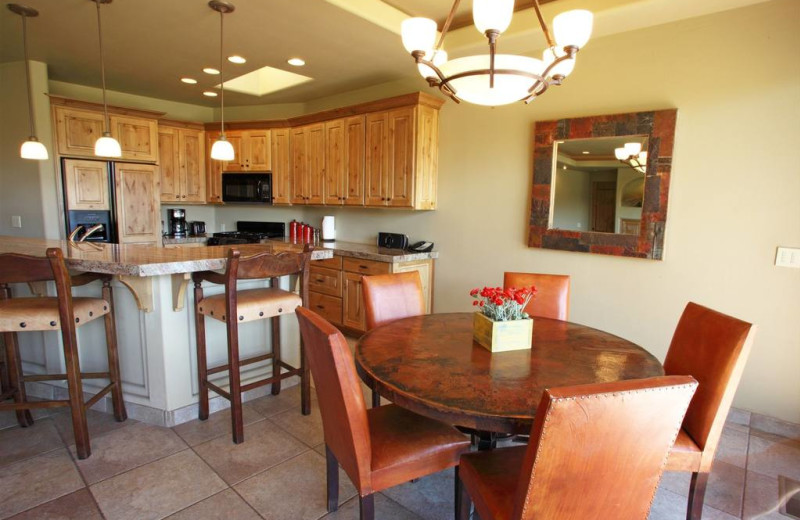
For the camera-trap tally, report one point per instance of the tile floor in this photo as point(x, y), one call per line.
point(193, 471)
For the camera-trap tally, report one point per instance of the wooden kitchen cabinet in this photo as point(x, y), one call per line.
point(281, 166)
point(137, 208)
point(401, 157)
point(252, 151)
point(137, 137)
point(344, 161)
point(86, 184)
point(213, 172)
point(308, 164)
point(182, 164)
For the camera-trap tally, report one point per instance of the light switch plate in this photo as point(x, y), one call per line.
point(16, 221)
point(788, 257)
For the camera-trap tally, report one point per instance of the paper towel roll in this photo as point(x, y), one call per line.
point(328, 229)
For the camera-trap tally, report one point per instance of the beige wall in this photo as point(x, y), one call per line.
point(735, 80)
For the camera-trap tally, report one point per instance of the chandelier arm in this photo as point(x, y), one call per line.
point(419, 57)
point(545, 30)
point(446, 25)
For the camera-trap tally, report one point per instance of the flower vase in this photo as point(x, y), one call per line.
point(502, 336)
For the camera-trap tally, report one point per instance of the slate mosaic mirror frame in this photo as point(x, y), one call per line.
point(660, 126)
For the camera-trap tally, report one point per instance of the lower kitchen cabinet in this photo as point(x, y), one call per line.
point(335, 287)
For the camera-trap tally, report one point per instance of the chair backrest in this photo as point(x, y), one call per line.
point(389, 297)
point(341, 402)
point(598, 451)
point(711, 347)
point(552, 293)
point(267, 264)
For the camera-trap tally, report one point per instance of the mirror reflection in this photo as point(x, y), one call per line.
point(598, 184)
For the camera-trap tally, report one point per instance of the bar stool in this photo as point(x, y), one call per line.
point(233, 307)
point(63, 312)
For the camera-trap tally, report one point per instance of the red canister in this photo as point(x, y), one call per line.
point(293, 230)
point(308, 233)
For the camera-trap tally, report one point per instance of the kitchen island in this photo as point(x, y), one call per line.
point(155, 319)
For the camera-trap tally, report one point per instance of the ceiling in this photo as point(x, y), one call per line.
point(347, 44)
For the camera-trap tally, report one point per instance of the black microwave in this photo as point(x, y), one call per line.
point(247, 187)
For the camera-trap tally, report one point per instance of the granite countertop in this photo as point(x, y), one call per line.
point(339, 248)
point(142, 260)
point(191, 239)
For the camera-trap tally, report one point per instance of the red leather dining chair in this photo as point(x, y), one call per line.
point(596, 451)
point(378, 447)
point(713, 348)
point(389, 297)
point(552, 296)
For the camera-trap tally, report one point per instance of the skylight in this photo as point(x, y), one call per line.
point(265, 80)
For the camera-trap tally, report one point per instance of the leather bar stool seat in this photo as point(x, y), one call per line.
point(251, 304)
point(27, 314)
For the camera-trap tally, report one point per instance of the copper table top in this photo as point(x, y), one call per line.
point(430, 365)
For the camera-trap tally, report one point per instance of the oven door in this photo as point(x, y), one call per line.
point(247, 187)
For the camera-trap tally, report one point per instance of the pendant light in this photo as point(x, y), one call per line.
point(32, 148)
point(222, 149)
point(106, 146)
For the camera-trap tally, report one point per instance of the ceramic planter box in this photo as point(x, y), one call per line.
point(501, 336)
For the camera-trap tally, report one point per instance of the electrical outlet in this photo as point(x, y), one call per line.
point(788, 257)
point(16, 221)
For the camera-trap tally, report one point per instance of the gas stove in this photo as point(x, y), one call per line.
point(248, 232)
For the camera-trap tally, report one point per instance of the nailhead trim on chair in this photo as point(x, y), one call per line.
point(23, 325)
point(53, 323)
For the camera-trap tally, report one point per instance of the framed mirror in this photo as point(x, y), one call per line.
point(601, 184)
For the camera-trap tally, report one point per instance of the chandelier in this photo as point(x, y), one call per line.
point(496, 79)
point(632, 155)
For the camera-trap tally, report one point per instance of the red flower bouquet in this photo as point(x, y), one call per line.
point(500, 304)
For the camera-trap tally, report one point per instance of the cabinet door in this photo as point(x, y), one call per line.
point(281, 166)
point(427, 159)
point(193, 174)
point(315, 160)
point(138, 214)
point(400, 176)
point(425, 270)
point(237, 164)
point(353, 177)
point(213, 172)
point(86, 184)
point(299, 166)
point(169, 164)
point(137, 137)
point(335, 153)
point(376, 158)
point(353, 302)
point(257, 150)
point(77, 131)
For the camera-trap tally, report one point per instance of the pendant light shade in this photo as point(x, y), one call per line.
point(105, 146)
point(222, 149)
point(32, 148)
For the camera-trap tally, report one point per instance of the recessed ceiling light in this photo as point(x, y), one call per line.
point(211, 70)
point(190, 81)
point(585, 152)
point(297, 62)
point(236, 59)
point(209, 93)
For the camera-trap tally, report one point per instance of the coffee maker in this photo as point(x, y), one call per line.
point(176, 222)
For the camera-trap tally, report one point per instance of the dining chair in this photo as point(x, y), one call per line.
point(713, 348)
point(379, 447)
point(596, 451)
point(233, 307)
point(63, 313)
point(552, 296)
point(389, 297)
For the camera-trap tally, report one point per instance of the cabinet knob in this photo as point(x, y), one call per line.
point(184, 196)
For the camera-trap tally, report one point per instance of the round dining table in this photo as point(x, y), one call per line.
point(432, 366)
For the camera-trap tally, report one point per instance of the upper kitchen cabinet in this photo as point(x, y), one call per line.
point(136, 187)
point(281, 166)
point(182, 162)
point(402, 148)
point(79, 124)
point(252, 151)
point(86, 184)
point(213, 171)
point(344, 161)
point(308, 164)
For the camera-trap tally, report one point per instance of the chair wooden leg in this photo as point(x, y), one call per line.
point(113, 356)
point(305, 382)
point(332, 474)
point(75, 388)
point(275, 321)
point(463, 502)
point(457, 493)
point(367, 507)
point(237, 422)
point(202, 365)
point(697, 493)
point(376, 398)
point(14, 367)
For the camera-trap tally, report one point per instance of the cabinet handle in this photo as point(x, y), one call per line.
point(364, 266)
point(319, 306)
point(320, 280)
point(184, 196)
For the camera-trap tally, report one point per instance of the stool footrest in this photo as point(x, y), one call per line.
point(32, 404)
point(248, 361)
point(59, 377)
point(99, 395)
point(220, 391)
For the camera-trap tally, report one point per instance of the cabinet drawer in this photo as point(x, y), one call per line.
point(367, 267)
point(325, 281)
point(334, 262)
point(329, 307)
